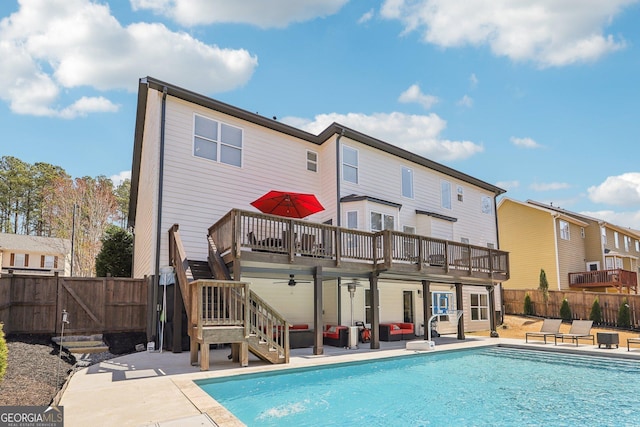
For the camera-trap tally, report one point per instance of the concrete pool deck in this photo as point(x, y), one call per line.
point(157, 389)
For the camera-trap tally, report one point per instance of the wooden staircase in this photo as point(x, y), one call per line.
point(221, 311)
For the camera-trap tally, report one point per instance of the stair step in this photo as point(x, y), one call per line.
point(82, 344)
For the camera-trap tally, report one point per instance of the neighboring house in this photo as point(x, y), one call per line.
point(199, 163)
point(23, 254)
point(576, 251)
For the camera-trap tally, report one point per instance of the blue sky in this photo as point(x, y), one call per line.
point(540, 97)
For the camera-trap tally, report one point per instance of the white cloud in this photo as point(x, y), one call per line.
point(508, 185)
point(61, 44)
point(549, 186)
point(466, 101)
point(414, 94)
point(264, 14)
point(419, 134)
point(473, 80)
point(621, 190)
point(119, 178)
point(366, 17)
point(525, 142)
point(621, 219)
point(547, 32)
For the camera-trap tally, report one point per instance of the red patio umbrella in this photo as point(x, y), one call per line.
point(283, 203)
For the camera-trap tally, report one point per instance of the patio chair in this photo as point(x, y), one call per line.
point(580, 329)
point(632, 341)
point(550, 328)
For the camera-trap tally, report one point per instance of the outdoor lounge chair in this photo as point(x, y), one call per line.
point(580, 329)
point(550, 328)
point(632, 341)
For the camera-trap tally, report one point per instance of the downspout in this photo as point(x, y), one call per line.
point(555, 242)
point(339, 215)
point(156, 280)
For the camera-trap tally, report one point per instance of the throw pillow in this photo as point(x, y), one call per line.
point(396, 327)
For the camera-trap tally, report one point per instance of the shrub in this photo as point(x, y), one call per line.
point(528, 305)
point(596, 312)
point(4, 354)
point(624, 315)
point(565, 311)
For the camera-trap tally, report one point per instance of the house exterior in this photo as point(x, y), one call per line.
point(23, 254)
point(577, 252)
point(198, 162)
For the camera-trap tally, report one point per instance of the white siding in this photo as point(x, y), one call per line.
point(379, 175)
point(146, 212)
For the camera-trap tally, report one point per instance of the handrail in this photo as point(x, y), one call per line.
point(617, 276)
point(178, 260)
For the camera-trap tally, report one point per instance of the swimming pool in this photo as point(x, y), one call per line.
point(486, 386)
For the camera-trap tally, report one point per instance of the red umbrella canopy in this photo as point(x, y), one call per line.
point(283, 203)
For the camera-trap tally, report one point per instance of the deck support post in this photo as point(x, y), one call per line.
point(318, 326)
point(426, 306)
point(492, 311)
point(460, 306)
point(375, 311)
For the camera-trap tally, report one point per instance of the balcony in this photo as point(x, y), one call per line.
point(257, 243)
point(623, 280)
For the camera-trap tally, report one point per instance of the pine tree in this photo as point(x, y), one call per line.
point(596, 312)
point(565, 310)
point(528, 305)
point(624, 315)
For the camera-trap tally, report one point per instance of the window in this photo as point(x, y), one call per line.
point(445, 194)
point(486, 205)
point(464, 240)
point(19, 260)
point(350, 164)
point(408, 229)
point(637, 245)
point(616, 239)
point(312, 161)
point(603, 233)
point(491, 246)
point(460, 193)
point(48, 262)
point(564, 230)
point(627, 243)
point(582, 232)
point(381, 222)
point(479, 307)
point(217, 141)
point(352, 219)
point(407, 182)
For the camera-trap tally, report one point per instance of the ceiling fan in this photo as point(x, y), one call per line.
point(292, 281)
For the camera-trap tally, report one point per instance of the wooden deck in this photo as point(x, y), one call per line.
point(622, 280)
point(257, 243)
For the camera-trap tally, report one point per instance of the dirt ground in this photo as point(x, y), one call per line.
point(517, 326)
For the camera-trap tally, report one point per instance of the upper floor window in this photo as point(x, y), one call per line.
point(445, 194)
point(464, 240)
point(582, 232)
point(616, 239)
point(312, 161)
point(486, 205)
point(627, 243)
point(381, 222)
point(460, 193)
point(637, 245)
point(603, 233)
point(49, 262)
point(217, 141)
point(407, 182)
point(350, 164)
point(491, 246)
point(564, 230)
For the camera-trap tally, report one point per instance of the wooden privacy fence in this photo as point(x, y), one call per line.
point(580, 304)
point(34, 304)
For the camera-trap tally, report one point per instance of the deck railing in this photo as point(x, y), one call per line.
point(241, 230)
point(603, 278)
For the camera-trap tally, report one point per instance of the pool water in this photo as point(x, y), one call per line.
point(492, 386)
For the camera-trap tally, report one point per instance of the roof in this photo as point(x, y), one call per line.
point(147, 83)
point(540, 207)
point(356, 198)
point(27, 243)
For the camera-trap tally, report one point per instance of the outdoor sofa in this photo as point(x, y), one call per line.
point(396, 331)
point(336, 336)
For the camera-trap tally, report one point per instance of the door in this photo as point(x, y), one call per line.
point(407, 298)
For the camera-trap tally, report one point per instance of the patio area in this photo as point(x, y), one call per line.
point(157, 389)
